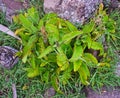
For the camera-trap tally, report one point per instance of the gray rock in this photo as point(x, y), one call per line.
point(12, 7)
point(76, 11)
point(49, 93)
point(103, 93)
point(7, 57)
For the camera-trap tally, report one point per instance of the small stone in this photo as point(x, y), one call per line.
point(49, 93)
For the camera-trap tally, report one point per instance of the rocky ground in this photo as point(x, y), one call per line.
point(105, 93)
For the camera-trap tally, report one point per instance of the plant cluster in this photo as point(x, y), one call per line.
point(56, 51)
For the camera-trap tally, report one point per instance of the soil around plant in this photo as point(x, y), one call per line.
point(104, 93)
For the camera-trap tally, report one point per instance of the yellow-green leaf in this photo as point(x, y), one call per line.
point(71, 26)
point(77, 53)
point(48, 50)
point(89, 27)
point(27, 24)
point(33, 64)
point(85, 68)
point(33, 15)
point(62, 59)
point(84, 74)
point(71, 35)
point(101, 8)
point(28, 47)
point(53, 33)
point(40, 24)
point(97, 46)
point(90, 58)
point(77, 65)
point(103, 64)
point(32, 72)
point(19, 31)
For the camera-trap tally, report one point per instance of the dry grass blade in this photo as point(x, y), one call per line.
point(14, 91)
point(8, 31)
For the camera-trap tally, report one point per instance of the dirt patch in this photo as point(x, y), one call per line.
point(12, 7)
point(16, 4)
point(105, 93)
point(12, 4)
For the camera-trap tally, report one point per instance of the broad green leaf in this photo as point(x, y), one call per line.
point(19, 31)
point(41, 46)
point(51, 57)
point(24, 38)
point(110, 27)
point(71, 27)
point(48, 50)
point(62, 60)
point(33, 15)
point(105, 18)
point(103, 64)
point(90, 58)
point(67, 48)
point(27, 24)
point(15, 19)
point(89, 27)
point(77, 65)
point(71, 35)
point(54, 21)
point(43, 64)
point(87, 39)
point(77, 53)
point(97, 46)
point(28, 47)
point(30, 44)
point(83, 77)
point(85, 68)
point(45, 77)
point(49, 16)
point(53, 33)
point(84, 73)
point(33, 64)
point(32, 72)
point(24, 59)
point(40, 24)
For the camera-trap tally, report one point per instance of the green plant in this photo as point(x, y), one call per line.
point(116, 43)
point(108, 28)
point(57, 51)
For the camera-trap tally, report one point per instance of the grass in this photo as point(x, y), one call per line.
point(31, 88)
point(105, 76)
point(116, 16)
point(34, 88)
point(26, 88)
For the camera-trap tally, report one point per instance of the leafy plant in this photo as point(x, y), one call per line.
point(56, 51)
